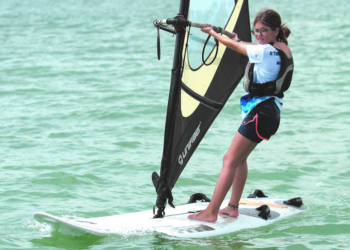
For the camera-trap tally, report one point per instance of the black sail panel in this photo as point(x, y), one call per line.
point(199, 92)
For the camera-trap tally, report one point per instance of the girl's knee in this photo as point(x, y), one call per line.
point(233, 162)
point(230, 161)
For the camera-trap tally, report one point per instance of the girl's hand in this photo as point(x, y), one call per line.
point(207, 29)
point(236, 37)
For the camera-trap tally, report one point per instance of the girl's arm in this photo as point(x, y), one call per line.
point(231, 43)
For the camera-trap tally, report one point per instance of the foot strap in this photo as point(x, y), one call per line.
point(234, 207)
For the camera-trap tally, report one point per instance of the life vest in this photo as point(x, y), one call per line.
point(275, 87)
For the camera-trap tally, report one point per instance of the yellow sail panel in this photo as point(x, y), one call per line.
point(199, 80)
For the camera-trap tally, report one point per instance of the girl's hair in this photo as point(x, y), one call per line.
point(273, 20)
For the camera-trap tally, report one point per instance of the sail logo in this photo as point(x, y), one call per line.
point(183, 155)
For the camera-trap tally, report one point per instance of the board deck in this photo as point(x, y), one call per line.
point(175, 222)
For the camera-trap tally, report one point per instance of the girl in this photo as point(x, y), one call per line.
point(268, 75)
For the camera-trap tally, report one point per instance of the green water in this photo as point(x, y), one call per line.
point(83, 101)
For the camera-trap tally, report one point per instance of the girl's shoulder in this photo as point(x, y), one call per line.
point(284, 47)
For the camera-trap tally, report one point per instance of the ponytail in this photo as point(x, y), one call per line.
point(283, 34)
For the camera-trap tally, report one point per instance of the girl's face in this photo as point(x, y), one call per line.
point(264, 34)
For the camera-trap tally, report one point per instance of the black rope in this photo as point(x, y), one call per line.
point(158, 43)
point(216, 53)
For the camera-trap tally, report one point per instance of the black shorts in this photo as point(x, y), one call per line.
point(262, 122)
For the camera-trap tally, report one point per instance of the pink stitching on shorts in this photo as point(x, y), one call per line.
point(256, 128)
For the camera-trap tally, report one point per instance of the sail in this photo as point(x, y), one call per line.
point(201, 83)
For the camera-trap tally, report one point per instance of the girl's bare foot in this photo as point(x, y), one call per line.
point(233, 212)
point(203, 216)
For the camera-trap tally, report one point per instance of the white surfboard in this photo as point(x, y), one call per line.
point(175, 222)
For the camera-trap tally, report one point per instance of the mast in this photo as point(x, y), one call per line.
point(162, 187)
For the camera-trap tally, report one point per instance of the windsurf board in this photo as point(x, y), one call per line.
point(175, 222)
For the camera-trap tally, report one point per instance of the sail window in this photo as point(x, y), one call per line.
point(206, 11)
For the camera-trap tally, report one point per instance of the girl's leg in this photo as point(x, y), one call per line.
point(237, 190)
point(237, 154)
